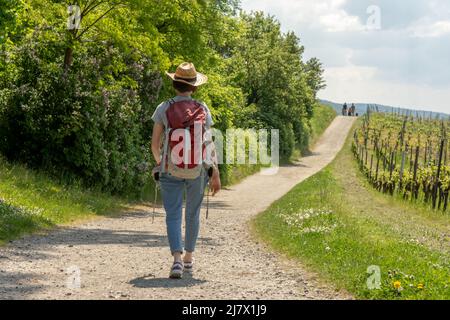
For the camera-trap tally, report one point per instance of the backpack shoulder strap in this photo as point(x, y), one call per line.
point(167, 105)
point(202, 105)
point(167, 129)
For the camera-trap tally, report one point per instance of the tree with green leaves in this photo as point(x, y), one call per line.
point(79, 84)
point(268, 67)
point(314, 70)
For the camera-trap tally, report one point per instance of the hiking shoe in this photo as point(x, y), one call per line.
point(177, 270)
point(188, 266)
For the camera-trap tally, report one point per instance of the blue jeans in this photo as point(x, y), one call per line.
point(172, 190)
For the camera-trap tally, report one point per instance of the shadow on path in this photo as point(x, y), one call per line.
point(149, 281)
point(80, 237)
point(17, 285)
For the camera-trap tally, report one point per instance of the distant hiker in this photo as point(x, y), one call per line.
point(175, 118)
point(352, 110)
point(344, 109)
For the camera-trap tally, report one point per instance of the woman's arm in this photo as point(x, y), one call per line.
point(158, 130)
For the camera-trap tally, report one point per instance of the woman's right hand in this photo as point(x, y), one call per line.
point(156, 172)
point(215, 184)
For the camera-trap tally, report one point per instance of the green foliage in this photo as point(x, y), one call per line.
point(268, 66)
point(8, 10)
point(78, 103)
point(89, 122)
point(390, 143)
point(30, 201)
point(314, 71)
point(323, 116)
point(14, 221)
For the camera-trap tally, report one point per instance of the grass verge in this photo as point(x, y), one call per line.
point(346, 232)
point(323, 116)
point(321, 120)
point(30, 201)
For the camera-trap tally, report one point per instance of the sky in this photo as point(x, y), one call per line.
point(391, 52)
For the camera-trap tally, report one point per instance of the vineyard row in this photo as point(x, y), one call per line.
point(405, 155)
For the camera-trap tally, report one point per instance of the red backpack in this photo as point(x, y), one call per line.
point(184, 146)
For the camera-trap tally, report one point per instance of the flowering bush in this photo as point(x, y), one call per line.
point(92, 122)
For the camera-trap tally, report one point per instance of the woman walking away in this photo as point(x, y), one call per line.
point(179, 148)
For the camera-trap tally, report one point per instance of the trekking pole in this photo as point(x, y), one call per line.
point(154, 203)
point(156, 179)
point(210, 173)
point(207, 203)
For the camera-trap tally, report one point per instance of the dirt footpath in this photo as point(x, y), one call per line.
point(127, 257)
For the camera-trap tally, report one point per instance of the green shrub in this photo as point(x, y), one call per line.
point(89, 122)
point(88, 116)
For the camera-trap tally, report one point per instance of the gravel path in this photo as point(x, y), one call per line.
point(126, 257)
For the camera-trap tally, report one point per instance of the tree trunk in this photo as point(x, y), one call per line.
point(68, 58)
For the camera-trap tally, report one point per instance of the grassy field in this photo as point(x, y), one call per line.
point(30, 201)
point(339, 227)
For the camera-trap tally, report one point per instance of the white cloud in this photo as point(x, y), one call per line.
point(350, 74)
point(403, 64)
point(430, 30)
point(340, 21)
point(326, 15)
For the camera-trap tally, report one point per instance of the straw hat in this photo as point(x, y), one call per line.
point(186, 73)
